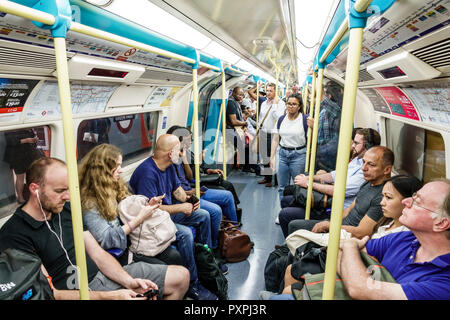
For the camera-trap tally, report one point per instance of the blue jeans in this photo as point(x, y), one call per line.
point(215, 213)
point(185, 241)
point(224, 199)
point(290, 164)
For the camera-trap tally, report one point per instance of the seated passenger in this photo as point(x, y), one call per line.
point(362, 142)
point(361, 217)
point(43, 226)
point(100, 201)
point(419, 260)
point(394, 191)
point(187, 163)
point(156, 176)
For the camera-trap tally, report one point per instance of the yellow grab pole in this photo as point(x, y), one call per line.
point(224, 128)
point(345, 136)
point(69, 144)
point(257, 105)
point(314, 143)
point(311, 113)
point(216, 139)
point(197, 156)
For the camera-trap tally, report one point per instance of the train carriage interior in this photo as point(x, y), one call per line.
point(159, 63)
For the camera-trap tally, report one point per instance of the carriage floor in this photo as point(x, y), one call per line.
point(260, 207)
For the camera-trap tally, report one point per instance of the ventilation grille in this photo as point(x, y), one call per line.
point(166, 76)
point(24, 58)
point(436, 54)
point(363, 76)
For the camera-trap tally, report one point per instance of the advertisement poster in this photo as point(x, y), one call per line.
point(161, 97)
point(433, 104)
point(13, 95)
point(398, 102)
point(377, 101)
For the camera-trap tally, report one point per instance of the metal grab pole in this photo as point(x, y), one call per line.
point(314, 143)
point(345, 136)
point(311, 113)
point(224, 140)
point(69, 144)
point(197, 157)
point(257, 105)
point(216, 139)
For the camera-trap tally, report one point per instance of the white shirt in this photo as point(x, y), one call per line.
point(277, 110)
point(292, 133)
point(355, 179)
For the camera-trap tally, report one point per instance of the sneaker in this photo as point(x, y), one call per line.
point(277, 220)
point(263, 181)
point(223, 268)
point(198, 292)
point(265, 295)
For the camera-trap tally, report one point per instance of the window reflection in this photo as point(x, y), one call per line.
point(134, 134)
point(418, 152)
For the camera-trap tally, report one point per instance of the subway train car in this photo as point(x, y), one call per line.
point(76, 74)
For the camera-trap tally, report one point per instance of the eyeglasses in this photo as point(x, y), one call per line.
point(292, 104)
point(413, 203)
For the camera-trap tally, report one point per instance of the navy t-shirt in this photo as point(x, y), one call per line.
point(150, 181)
point(182, 177)
point(419, 281)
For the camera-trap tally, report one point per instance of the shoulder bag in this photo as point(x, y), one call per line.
point(155, 234)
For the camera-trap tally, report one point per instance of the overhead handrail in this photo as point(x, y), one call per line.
point(336, 39)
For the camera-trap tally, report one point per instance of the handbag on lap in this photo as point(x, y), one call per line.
point(155, 234)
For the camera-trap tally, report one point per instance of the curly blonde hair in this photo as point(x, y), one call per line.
point(98, 189)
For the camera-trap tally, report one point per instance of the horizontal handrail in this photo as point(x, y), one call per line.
point(80, 28)
point(26, 12)
point(359, 6)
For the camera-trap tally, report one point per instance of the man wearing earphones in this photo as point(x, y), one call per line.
point(43, 226)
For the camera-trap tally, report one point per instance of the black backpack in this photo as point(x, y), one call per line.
point(209, 273)
point(275, 268)
point(309, 258)
point(21, 277)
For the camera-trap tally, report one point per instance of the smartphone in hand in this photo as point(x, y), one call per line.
point(149, 294)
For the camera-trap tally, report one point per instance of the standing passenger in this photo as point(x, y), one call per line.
point(271, 110)
point(329, 124)
point(291, 137)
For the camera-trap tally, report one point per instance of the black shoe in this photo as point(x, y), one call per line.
point(198, 292)
point(223, 268)
point(239, 214)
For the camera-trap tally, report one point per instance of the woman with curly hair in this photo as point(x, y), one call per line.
point(101, 190)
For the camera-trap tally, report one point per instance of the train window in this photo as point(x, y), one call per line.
point(418, 151)
point(18, 149)
point(134, 134)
